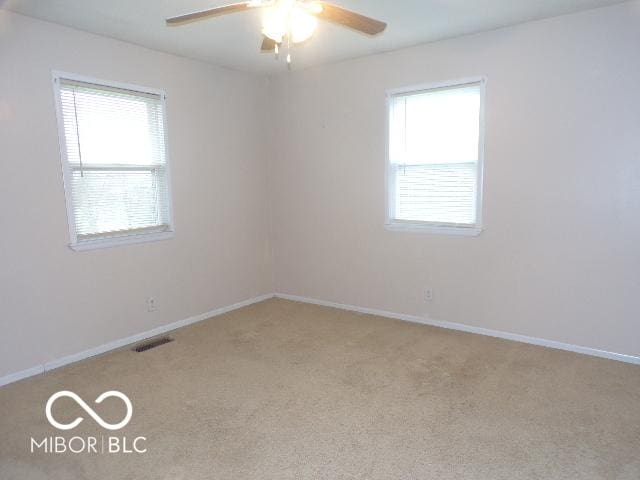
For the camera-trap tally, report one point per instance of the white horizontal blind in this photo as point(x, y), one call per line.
point(116, 158)
point(434, 149)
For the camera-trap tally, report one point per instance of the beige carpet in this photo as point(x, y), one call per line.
point(283, 390)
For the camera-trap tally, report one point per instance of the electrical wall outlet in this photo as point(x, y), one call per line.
point(151, 304)
point(428, 295)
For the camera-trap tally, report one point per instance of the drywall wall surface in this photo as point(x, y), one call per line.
point(56, 302)
point(559, 256)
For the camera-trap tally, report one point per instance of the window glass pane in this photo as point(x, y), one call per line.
point(103, 127)
point(117, 201)
point(443, 193)
point(434, 141)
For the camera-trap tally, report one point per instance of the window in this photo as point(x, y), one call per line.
point(435, 158)
point(114, 160)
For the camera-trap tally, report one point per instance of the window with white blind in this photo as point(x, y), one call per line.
point(115, 163)
point(435, 158)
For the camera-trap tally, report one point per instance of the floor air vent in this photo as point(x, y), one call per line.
point(143, 347)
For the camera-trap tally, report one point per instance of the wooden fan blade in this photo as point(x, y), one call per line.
point(268, 45)
point(350, 19)
point(212, 12)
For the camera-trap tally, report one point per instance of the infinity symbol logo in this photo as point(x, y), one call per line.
point(89, 410)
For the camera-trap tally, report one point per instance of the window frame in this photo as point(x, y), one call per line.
point(442, 228)
point(131, 236)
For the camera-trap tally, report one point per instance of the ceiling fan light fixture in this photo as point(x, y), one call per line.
point(274, 23)
point(289, 18)
point(287, 22)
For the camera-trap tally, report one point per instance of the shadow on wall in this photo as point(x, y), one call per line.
point(5, 109)
point(4, 19)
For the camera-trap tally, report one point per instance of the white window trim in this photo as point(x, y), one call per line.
point(124, 239)
point(472, 230)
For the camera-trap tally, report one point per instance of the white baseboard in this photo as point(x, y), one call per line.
point(470, 329)
point(14, 377)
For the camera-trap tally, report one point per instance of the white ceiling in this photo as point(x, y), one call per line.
point(234, 40)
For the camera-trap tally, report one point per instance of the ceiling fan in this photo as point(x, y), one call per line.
point(290, 22)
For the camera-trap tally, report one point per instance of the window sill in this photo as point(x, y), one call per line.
point(457, 230)
point(120, 241)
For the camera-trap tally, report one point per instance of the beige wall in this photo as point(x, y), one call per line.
point(560, 256)
point(55, 302)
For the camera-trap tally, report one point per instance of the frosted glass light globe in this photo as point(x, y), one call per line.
point(288, 17)
point(303, 25)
